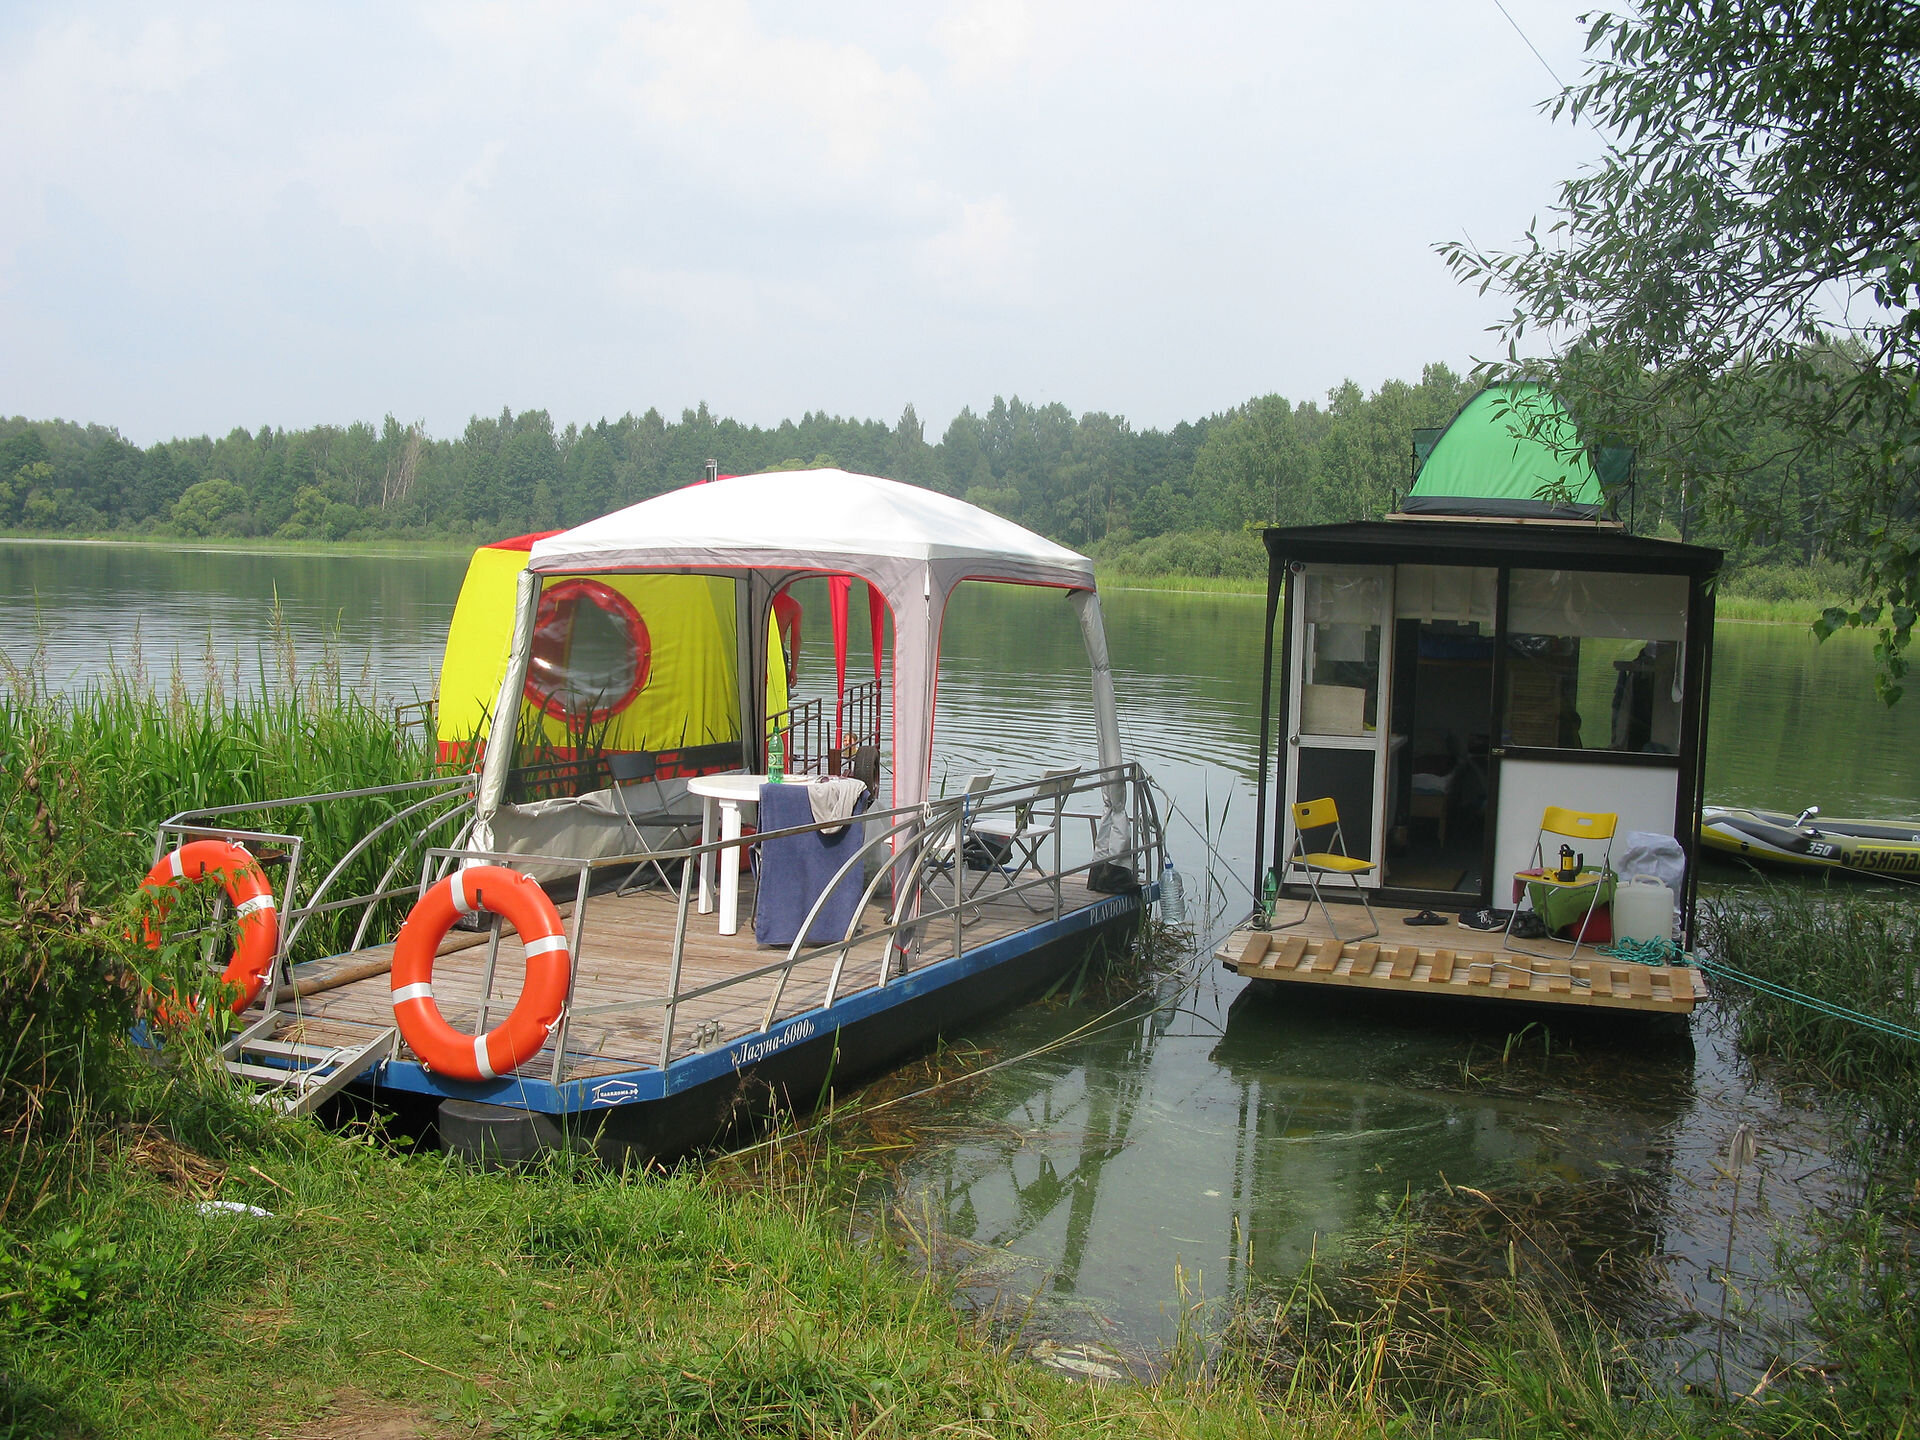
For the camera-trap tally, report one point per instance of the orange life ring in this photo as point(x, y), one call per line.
point(525, 906)
point(248, 893)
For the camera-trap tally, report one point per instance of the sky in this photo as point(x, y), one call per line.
point(250, 214)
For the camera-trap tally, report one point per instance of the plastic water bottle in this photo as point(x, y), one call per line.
point(776, 760)
point(1173, 896)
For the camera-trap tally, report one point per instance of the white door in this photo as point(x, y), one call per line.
point(1337, 732)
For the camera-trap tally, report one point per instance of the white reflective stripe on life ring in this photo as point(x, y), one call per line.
point(173, 865)
point(457, 892)
point(253, 906)
point(420, 991)
point(546, 945)
point(480, 1058)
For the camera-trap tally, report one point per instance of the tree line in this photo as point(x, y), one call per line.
point(1187, 499)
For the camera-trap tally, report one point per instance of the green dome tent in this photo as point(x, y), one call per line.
point(1513, 452)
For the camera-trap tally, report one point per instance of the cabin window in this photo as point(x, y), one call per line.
point(1594, 661)
point(591, 653)
point(1342, 660)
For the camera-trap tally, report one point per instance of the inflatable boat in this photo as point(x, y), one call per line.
point(1806, 841)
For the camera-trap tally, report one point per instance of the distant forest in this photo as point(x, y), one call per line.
point(1185, 500)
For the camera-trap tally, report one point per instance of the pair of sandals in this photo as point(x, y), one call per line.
point(1526, 925)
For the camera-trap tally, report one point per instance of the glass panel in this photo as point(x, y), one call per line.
point(1341, 694)
point(1594, 661)
point(1442, 711)
point(1347, 777)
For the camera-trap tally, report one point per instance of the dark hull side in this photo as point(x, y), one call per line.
point(790, 1082)
point(1488, 1016)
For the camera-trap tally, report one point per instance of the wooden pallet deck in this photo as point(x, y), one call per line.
point(626, 956)
point(1454, 961)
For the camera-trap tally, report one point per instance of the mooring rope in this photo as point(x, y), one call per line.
point(1661, 951)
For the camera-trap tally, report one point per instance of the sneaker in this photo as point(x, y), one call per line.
point(1485, 919)
point(1529, 926)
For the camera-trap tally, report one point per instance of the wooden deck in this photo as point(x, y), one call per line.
point(625, 960)
point(1453, 961)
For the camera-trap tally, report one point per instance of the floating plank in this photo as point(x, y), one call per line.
point(1314, 953)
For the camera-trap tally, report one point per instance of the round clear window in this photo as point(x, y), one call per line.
point(591, 653)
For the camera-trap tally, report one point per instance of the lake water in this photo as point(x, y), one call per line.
point(1199, 1141)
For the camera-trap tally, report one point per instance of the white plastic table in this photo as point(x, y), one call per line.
point(721, 797)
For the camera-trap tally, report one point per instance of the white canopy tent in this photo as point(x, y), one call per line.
point(913, 546)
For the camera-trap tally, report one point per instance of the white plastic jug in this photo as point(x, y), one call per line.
point(1642, 909)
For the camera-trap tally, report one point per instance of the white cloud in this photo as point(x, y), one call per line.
point(720, 95)
point(986, 39)
point(982, 255)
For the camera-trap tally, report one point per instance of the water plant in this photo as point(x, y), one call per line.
point(1846, 945)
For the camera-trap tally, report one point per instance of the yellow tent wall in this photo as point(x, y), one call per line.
point(690, 696)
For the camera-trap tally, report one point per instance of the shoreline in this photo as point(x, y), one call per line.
point(1733, 608)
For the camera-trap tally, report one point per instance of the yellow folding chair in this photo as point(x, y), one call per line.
point(1590, 826)
point(1318, 815)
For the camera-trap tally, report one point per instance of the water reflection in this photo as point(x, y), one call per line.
point(1347, 1110)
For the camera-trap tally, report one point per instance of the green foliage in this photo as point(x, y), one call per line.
point(205, 508)
point(1738, 278)
point(84, 779)
point(1855, 948)
point(55, 1280)
point(1079, 479)
point(70, 973)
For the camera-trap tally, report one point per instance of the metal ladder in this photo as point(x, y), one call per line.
point(294, 1077)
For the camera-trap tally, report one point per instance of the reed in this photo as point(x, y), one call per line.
point(85, 778)
point(1847, 945)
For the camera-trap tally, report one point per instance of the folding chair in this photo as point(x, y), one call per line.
point(632, 772)
point(1318, 815)
point(946, 848)
point(1564, 824)
point(1034, 826)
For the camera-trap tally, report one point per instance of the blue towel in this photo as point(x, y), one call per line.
point(791, 873)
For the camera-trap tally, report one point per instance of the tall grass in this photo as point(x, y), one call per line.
point(84, 780)
point(1847, 946)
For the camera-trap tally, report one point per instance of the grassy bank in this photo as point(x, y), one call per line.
point(1731, 605)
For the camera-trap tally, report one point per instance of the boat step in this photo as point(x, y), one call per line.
point(317, 1073)
point(291, 1049)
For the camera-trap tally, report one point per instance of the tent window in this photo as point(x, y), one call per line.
point(591, 653)
point(1594, 661)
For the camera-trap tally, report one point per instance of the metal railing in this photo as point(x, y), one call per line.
point(922, 850)
point(431, 805)
point(920, 867)
point(815, 745)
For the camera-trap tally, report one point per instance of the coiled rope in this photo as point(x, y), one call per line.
point(1661, 951)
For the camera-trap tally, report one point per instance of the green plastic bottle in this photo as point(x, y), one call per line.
point(776, 760)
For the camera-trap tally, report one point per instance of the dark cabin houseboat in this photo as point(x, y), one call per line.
point(1496, 657)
